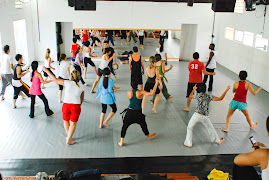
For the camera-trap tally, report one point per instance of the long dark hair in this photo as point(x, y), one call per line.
point(34, 67)
point(62, 57)
point(77, 51)
point(161, 48)
point(106, 73)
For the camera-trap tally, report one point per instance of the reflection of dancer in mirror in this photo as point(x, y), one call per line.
point(133, 114)
point(141, 35)
point(107, 97)
point(64, 73)
point(84, 36)
point(152, 73)
point(131, 35)
point(202, 115)
point(151, 32)
point(73, 49)
point(87, 58)
point(240, 100)
point(78, 65)
point(162, 35)
point(123, 35)
point(47, 65)
point(162, 52)
point(96, 36)
point(210, 66)
point(124, 57)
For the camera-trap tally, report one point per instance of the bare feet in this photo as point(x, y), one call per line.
point(116, 88)
point(93, 91)
point(186, 109)
point(225, 130)
point(85, 84)
point(70, 141)
point(188, 146)
point(154, 110)
point(120, 144)
point(150, 137)
point(101, 126)
point(23, 96)
point(254, 125)
point(221, 140)
point(106, 124)
point(14, 106)
point(52, 114)
point(2, 98)
point(171, 97)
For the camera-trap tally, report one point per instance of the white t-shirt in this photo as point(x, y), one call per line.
point(162, 33)
point(103, 63)
point(46, 64)
point(141, 33)
point(72, 92)
point(212, 64)
point(63, 69)
point(6, 64)
point(161, 53)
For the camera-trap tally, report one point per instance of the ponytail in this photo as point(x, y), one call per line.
point(34, 66)
point(106, 73)
point(62, 57)
point(151, 61)
point(77, 51)
point(75, 76)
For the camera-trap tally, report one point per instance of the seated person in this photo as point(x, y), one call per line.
point(243, 168)
point(124, 57)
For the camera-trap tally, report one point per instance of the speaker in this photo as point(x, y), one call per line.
point(85, 5)
point(223, 5)
point(71, 3)
point(190, 3)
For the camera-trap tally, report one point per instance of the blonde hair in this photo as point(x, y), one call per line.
point(47, 53)
point(151, 61)
point(75, 76)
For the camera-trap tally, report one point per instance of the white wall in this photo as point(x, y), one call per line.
point(67, 35)
point(188, 41)
point(176, 34)
point(236, 56)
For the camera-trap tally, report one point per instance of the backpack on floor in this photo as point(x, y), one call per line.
point(41, 176)
point(61, 175)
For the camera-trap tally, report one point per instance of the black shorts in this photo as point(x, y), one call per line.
point(123, 36)
point(138, 77)
point(99, 72)
point(88, 60)
point(46, 75)
point(96, 39)
point(190, 88)
point(60, 86)
point(150, 86)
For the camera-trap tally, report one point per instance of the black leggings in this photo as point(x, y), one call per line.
point(17, 91)
point(161, 39)
point(46, 104)
point(131, 117)
point(78, 68)
point(88, 60)
point(141, 40)
point(113, 106)
point(210, 78)
point(245, 173)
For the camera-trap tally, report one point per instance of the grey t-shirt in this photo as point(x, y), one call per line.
point(203, 103)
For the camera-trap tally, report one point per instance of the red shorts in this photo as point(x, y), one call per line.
point(71, 112)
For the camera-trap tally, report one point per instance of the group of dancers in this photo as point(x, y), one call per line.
point(71, 79)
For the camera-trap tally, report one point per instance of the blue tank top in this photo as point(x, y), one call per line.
point(135, 103)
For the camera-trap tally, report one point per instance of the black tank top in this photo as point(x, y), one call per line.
point(15, 77)
point(136, 66)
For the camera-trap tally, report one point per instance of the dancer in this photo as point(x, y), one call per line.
point(87, 58)
point(64, 73)
point(152, 72)
point(73, 99)
point(196, 69)
point(110, 34)
point(107, 97)
point(162, 52)
point(104, 64)
point(240, 100)
point(113, 55)
point(162, 35)
point(131, 35)
point(78, 65)
point(84, 36)
point(17, 83)
point(146, 35)
point(73, 49)
point(133, 114)
point(135, 65)
point(151, 32)
point(47, 65)
point(124, 57)
point(161, 68)
point(141, 35)
point(35, 90)
point(202, 115)
point(123, 36)
point(96, 36)
point(210, 66)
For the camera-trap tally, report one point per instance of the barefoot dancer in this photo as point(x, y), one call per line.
point(35, 90)
point(161, 68)
point(73, 99)
point(123, 36)
point(196, 69)
point(107, 97)
point(47, 65)
point(202, 115)
point(78, 65)
point(64, 73)
point(151, 72)
point(87, 58)
point(133, 114)
point(240, 100)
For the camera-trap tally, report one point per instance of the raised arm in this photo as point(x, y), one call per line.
point(163, 67)
point(250, 88)
point(223, 95)
point(54, 79)
point(19, 73)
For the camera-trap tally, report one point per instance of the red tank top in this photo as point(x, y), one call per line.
point(241, 93)
point(85, 37)
point(74, 49)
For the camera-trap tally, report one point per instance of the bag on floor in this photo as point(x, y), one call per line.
point(61, 175)
point(41, 176)
point(218, 175)
point(86, 174)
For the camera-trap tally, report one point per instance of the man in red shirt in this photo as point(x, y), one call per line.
point(85, 36)
point(196, 68)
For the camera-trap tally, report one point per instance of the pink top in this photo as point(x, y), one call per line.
point(35, 88)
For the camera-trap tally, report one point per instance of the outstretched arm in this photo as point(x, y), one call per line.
point(54, 79)
point(163, 67)
point(222, 96)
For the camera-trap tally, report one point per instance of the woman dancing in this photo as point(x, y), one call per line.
point(87, 58)
point(78, 65)
point(107, 97)
point(133, 114)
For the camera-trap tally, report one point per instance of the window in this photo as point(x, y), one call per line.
point(261, 42)
point(238, 35)
point(248, 38)
point(229, 33)
point(239, 6)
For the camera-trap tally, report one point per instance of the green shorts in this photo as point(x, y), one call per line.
point(238, 105)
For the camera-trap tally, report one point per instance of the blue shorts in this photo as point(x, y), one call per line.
point(238, 105)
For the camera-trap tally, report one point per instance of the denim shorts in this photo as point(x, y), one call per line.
point(238, 105)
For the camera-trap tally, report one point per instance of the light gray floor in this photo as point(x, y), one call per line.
point(44, 137)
